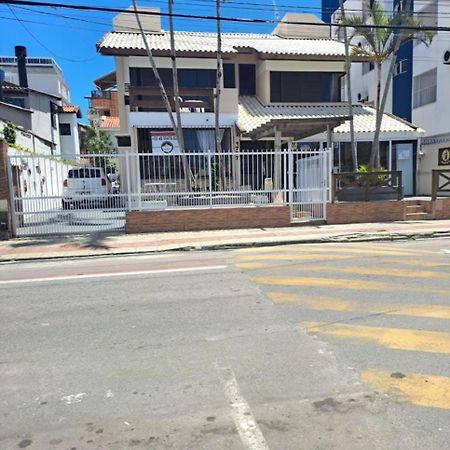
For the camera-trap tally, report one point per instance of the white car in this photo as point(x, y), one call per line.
point(88, 186)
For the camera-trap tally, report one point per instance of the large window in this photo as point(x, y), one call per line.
point(229, 79)
point(187, 78)
point(247, 79)
point(304, 87)
point(425, 88)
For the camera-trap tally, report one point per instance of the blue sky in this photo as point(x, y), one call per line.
point(71, 40)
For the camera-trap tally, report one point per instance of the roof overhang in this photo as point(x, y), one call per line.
point(295, 128)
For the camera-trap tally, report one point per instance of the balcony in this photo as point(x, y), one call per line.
point(148, 99)
point(105, 95)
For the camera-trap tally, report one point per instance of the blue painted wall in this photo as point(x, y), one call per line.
point(402, 84)
point(328, 7)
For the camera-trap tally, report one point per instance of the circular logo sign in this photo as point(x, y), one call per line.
point(167, 147)
point(446, 156)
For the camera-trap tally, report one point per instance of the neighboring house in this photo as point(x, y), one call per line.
point(104, 102)
point(51, 124)
point(44, 75)
point(420, 89)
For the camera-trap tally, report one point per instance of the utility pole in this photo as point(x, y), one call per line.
point(218, 80)
point(348, 65)
point(164, 96)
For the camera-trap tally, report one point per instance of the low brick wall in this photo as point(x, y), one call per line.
point(440, 208)
point(364, 212)
point(207, 219)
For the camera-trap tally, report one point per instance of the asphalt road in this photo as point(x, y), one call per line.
point(334, 346)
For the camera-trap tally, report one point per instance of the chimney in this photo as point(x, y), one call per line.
point(21, 55)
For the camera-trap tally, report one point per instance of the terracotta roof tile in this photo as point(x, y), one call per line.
point(110, 122)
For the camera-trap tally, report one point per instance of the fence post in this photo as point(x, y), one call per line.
point(434, 184)
point(127, 171)
point(7, 190)
point(400, 184)
point(291, 182)
point(209, 178)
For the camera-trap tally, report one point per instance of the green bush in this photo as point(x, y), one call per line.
point(372, 179)
point(9, 133)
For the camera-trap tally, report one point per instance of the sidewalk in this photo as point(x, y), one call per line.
point(102, 245)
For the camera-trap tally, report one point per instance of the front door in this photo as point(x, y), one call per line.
point(405, 164)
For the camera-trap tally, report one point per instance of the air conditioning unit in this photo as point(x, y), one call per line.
point(446, 58)
point(363, 97)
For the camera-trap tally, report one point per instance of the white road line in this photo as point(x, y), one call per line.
point(248, 429)
point(114, 274)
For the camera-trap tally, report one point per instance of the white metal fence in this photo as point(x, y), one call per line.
point(90, 193)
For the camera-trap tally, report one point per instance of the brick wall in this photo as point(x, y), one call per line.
point(361, 212)
point(207, 219)
point(441, 208)
point(107, 103)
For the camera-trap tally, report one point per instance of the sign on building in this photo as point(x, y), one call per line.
point(444, 156)
point(164, 143)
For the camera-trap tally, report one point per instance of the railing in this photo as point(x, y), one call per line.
point(101, 94)
point(351, 186)
point(440, 182)
point(193, 100)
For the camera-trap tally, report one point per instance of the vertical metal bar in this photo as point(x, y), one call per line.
point(127, 171)
point(291, 182)
point(11, 205)
point(210, 178)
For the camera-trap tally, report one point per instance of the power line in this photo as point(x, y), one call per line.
point(214, 18)
point(43, 45)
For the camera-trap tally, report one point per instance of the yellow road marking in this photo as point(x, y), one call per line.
point(340, 283)
point(292, 256)
point(332, 304)
point(423, 390)
point(417, 263)
point(252, 253)
point(388, 272)
point(396, 338)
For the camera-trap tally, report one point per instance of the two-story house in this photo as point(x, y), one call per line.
point(276, 88)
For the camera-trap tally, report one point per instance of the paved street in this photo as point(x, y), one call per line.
point(324, 346)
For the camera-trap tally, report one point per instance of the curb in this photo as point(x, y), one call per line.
point(343, 238)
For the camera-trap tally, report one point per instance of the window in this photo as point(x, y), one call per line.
point(425, 88)
point(229, 79)
point(401, 67)
point(123, 141)
point(187, 78)
point(16, 101)
point(65, 129)
point(247, 79)
point(304, 87)
point(367, 67)
point(53, 114)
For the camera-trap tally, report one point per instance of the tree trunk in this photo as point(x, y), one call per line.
point(218, 80)
point(374, 161)
point(381, 105)
point(349, 92)
point(176, 93)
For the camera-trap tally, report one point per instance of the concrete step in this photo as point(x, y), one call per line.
point(417, 216)
point(414, 209)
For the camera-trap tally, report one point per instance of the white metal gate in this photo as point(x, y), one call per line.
point(91, 193)
point(309, 184)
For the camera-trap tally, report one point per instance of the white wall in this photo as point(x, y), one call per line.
point(69, 145)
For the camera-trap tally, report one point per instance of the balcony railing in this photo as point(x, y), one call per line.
point(101, 94)
point(191, 99)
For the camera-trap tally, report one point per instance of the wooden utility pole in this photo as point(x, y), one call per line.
point(218, 80)
point(348, 65)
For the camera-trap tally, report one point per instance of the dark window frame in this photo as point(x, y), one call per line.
point(65, 129)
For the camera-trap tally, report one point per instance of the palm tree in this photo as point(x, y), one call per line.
point(382, 36)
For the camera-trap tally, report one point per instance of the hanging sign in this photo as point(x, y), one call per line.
point(164, 143)
point(444, 156)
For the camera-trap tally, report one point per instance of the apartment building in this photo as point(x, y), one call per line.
point(420, 89)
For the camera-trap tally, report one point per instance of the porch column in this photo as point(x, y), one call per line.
point(329, 136)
